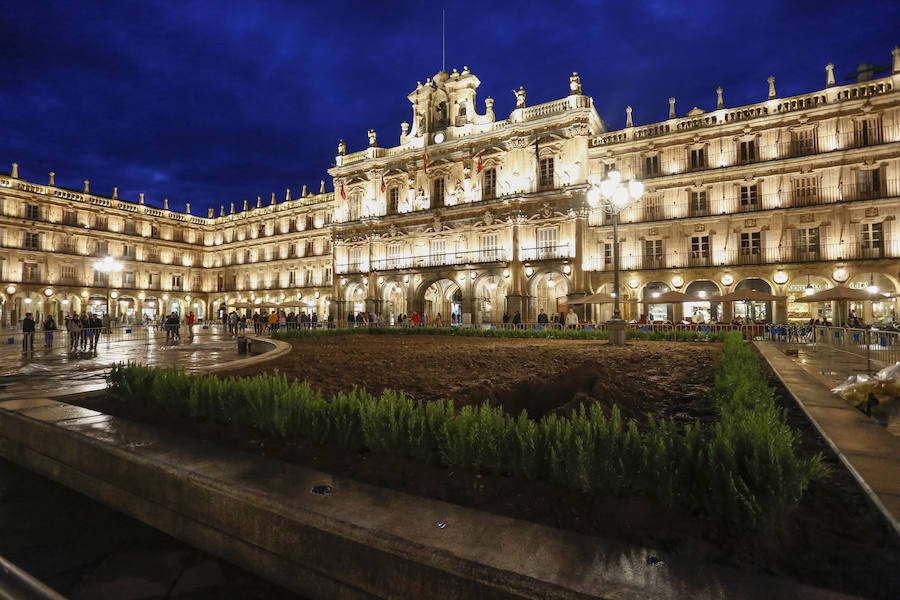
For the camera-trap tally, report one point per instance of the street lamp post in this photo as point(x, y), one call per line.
point(106, 266)
point(616, 195)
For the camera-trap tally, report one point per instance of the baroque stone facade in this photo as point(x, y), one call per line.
point(479, 216)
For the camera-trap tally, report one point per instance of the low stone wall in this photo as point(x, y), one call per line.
point(354, 541)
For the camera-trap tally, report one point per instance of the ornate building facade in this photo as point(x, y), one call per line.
point(479, 216)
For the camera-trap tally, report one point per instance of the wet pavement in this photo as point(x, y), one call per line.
point(86, 551)
point(868, 450)
point(833, 366)
point(50, 372)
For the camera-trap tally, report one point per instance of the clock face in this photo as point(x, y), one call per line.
point(439, 137)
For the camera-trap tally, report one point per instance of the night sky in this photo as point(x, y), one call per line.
point(219, 101)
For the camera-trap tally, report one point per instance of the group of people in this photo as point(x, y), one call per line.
point(269, 321)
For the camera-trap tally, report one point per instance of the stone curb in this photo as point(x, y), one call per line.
point(357, 541)
point(279, 349)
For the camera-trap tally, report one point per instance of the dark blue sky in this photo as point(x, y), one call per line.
point(218, 101)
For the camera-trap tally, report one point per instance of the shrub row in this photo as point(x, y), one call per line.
point(562, 334)
point(741, 471)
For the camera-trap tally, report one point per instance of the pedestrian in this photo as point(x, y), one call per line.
point(190, 324)
point(360, 320)
point(542, 317)
point(438, 321)
point(73, 327)
point(571, 319)
point(416, 319)
point(96, 324)
point(87, 333)
point(506, 317)
point(517, 318)
point(49, 328)
point(273, 321)
point(350, 319)
point(28, 333)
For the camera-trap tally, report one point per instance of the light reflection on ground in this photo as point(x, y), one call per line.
point(56, 371)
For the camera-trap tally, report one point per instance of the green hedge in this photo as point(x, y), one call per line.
point(742, 471)
point(561, 334)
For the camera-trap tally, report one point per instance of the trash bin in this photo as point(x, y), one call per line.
point(242, 345)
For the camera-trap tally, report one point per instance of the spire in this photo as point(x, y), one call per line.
point(87, 186)
point(259, 202)
point(720, 104)
point(896, 54)
point(303, 191)
point(628, 121)
point(142, 198)
point(52, 176)
point(115, 193)
point(771, 81)
point(232, 207)
point(15, 171)
point(245, 205)
point(322, 187)
point(210, 212)
point(188, 209)
point(672, 108)
point(273, 198)
point(287, 195)
point(165, 204)
point(221, 210)
point(829, 75)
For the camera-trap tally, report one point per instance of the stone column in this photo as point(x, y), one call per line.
point(781, 311)
point(727, 311)
point(468, 302)
point(515, 299)
point(677, 312)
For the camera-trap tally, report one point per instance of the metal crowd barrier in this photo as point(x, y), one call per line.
point(874, 344)
point(61, 339)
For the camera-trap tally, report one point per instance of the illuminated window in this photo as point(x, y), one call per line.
point(437, 192)
point(699, 204)
point(698, 158)
point(748, 151)
point(490, 184)
point(546, 175)
point(393, 200)
point(651, 166)
point(749, 197)
point(806, 191)
point(32, 212)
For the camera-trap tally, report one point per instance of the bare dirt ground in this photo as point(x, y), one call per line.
point(537, 375)
point(835, 539)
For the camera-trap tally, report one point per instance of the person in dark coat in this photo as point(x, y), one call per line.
point(96, 324)
point(28, 333)
point(49, 328)
point(542, 317)
point(517, 318)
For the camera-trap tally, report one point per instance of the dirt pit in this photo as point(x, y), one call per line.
point(666, 379)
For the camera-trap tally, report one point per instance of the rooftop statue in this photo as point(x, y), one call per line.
point(520, 97)
point(575, 84)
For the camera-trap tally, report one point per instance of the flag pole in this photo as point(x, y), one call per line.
point(443, 39)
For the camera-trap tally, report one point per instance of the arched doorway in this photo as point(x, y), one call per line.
point(882, 311)
point(548, 291)
point(394, 297)
point(656, 311)
point(754, 311)
point(490, 299)
point(151, 308)
point(442, 297)
point(703, 311)
point(355, 295)
point(797, 289)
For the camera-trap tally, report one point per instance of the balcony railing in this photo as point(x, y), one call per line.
point(546, 252)
point(714, 159)
point(440, 260)
point(752, 256)
point(653, 209)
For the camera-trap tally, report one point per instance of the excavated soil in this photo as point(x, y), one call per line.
point(666, 379)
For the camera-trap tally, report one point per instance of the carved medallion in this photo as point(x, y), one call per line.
point(872, 211)
point(699, 227)
point(488, 217)
point(546, 210)
point(750, 223)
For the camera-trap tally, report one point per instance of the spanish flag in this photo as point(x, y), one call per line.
point(426, 162)
point(480, 163)
point(343, 193)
